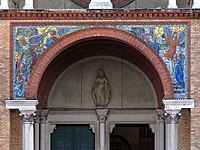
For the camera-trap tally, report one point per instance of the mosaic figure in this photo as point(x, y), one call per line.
point(173, 42)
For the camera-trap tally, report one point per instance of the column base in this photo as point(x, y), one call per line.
point(172, 6)
point(196, 5)
point(106, 4)
point(4, 7)
point(28, 7)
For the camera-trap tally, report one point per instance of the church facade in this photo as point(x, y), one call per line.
point(99, 75)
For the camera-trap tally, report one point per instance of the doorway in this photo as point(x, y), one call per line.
point(72, 137)
point(132, 137)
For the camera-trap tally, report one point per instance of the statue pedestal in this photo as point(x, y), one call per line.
point(100, 4)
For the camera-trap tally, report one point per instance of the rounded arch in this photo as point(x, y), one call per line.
point(99, 33)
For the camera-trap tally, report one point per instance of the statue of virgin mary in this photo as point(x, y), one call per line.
point(101, 90)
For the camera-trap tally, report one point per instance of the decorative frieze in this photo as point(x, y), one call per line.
point(103, 16)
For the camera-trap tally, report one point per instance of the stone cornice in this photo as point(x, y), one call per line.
point(22, 105)
point(178, 104)
point(114, 14)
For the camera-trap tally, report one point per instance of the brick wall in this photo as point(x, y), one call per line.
point(16, 130)
point(195, 84)
point(4, 84)
point(184, 131)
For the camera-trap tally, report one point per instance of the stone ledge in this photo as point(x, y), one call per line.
point(178, 104)
point(21, 104)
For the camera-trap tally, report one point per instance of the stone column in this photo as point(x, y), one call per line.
point(44, 130)
point(196, 4)
point(28, 132)
point(28, 4)
point(159, 135)
point(171, 129)
point(102, 116)
point(27, 110)
point(37, 131)
point(172, 4)
point(4, 4)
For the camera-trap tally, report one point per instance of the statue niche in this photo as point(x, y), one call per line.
point(101, 91)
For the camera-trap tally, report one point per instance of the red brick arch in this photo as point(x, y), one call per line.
point(99, 33)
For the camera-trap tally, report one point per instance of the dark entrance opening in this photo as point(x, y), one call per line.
point(72, 137)
point(132, 137)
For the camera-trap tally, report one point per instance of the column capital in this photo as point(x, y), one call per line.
point(196, 4)
point(44, 115)
point(27, 115)
point(160, 115)
point(102, 114)
point(172, 116)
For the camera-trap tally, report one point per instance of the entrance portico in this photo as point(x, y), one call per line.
point(130, 67)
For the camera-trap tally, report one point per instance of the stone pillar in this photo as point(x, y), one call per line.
point(28, 4)
point(102, 116)
point(28, 132)
point(196, 4)
point(37, 131)
point(27, 110)
point(171, 129)
point(159, 135)
point(100, 4)
point(44, 130)
point(172, 4)
point(4, 4)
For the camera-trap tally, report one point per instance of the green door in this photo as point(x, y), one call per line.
point(72, 137)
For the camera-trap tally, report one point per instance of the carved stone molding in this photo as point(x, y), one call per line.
point(51, 128)
point(153, 128)
point(93, 127)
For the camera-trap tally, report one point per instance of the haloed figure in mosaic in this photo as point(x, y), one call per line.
point(179, 69)
point(101, 90)
point(173, 42)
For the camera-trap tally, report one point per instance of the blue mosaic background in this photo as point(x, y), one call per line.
point(169, 41)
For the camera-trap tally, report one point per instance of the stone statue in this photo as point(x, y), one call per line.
point(101, 91)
